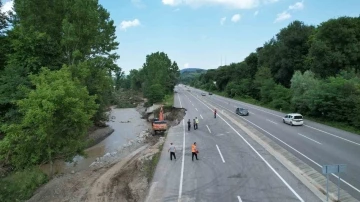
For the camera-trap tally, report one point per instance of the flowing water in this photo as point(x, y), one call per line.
point(127, 124)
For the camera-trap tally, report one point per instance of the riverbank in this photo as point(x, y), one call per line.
point(123, 174)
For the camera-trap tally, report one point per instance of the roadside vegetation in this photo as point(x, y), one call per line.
point(156, 79)
point(306, 69)
point(58, 77)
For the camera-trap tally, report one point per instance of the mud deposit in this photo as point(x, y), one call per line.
point(122, 174)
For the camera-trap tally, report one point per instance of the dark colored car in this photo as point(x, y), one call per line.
point(210, 93)
point(242, 111)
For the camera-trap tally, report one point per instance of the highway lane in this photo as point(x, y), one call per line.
point(314, 143)
point(228, 168)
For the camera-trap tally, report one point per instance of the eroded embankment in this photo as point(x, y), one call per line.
point(118, 176)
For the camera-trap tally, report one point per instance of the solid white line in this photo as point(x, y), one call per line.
point(208, 128)
point(182, 160)
point(272, 121)
point(332, 134)
point(250, 106)
point(342, 180)
point(314, 162)
point(196, 109)
point(262, 158)
point(308, 138)
point(239, 199)
point(222, 158)
point(201, 117)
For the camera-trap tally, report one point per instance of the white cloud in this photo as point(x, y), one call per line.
point(270, 1)
point(236, 17)
point(7, 6)
point(131, 23)
point(138, 3)
point(186, 65)
point(297, 6)
point(256, 13)
point(282, 16)
point(171, 2)
point(235, 4)
point(222, 20)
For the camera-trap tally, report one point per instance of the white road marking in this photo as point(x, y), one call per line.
point(332, 134)
point(222, 158)
point(201, 117)
point(196, 109)
point(308, 138)
point(272, 121)
point(304, 124)
point(192, 104)
point(350, 185)
point(239, 199)
point(262, 158)
point(208, 128)
point(182, 160)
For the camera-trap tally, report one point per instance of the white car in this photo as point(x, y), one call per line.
point(293, 119)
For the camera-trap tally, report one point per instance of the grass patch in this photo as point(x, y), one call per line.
point(20, 185)
point(151, 166)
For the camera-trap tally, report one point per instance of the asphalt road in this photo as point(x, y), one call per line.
point(231, 166)
point(316, 144)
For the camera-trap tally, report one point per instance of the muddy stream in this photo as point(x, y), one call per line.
point(127, 124)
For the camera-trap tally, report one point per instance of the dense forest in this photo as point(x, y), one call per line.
point(58, 77)
point(306, 69)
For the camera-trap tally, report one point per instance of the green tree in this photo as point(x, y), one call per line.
point(334, 47)
point(52, 33)
point(159, 69)
point(56, 116)
point(156, 93)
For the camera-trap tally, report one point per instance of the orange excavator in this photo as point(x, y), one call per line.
point(159, 125)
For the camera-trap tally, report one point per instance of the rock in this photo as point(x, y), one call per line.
point(72, 172)
point(151, 117)
point(107, 155)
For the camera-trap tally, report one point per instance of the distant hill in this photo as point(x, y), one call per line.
point(189, 74)
point(190, 70)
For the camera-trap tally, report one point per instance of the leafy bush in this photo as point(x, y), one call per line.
point(20, 185)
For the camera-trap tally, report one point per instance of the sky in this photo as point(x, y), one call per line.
point(208, 33)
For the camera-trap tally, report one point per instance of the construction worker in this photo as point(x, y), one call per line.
point(194, 151)
point(197, 122)
point(215, 113)
point(189, 124)
point(172, 151)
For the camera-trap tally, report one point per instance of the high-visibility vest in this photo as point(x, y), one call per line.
point(193, 148)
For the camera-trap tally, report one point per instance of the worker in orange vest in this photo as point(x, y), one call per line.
point(194, 151)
